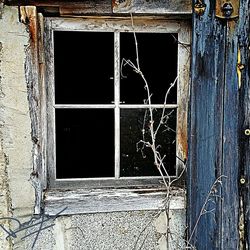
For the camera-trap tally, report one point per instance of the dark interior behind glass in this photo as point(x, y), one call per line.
point(84, 74)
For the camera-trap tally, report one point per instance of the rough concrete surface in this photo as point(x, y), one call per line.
point(16, 146)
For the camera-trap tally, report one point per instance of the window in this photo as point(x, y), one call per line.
point(97, 104)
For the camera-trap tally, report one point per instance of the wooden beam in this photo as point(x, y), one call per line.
point(28, 15)
point(79, 201)
point(75, 7)
point(153, 6)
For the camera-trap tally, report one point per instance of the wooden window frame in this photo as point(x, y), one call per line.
point(122, 186)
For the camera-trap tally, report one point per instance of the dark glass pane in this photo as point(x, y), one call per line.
point(84, 67)
point(136, 158)
point(84, 143)
point(158, 62)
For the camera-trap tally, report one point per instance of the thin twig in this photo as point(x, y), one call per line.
point(153, 131)
point(203, 208)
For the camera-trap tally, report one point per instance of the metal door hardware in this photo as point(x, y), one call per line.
point(227, 9)
point(199, 7)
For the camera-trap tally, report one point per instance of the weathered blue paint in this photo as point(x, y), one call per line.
point(244, 110)
point(230, 154)
point(205, 125)
point(214, 114)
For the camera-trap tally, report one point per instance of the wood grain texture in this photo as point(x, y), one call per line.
point(28, 15)
point(214, 114)
point(49, 102)
point(153, 6)
point(76, 7)
point(110, 200)
point(230, 153)
point(42, 100)
point(205, 126)
point(244, 111)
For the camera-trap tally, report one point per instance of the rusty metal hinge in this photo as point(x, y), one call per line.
point(199, 7)
point(227, 9)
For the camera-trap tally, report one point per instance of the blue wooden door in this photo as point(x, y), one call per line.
point(219, 116)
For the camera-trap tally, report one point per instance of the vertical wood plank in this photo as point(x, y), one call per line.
point(184, 54)
point(28, 16)
point(50, 102)
point(42, 103)
point(244, 118)
point(205, 127)
point(230, 164)
point(213, 133)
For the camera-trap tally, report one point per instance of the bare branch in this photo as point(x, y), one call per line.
point(217, 181)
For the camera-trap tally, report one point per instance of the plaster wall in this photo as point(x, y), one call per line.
point(111, 231)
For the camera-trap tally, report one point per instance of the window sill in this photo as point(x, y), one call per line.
point(80, 201)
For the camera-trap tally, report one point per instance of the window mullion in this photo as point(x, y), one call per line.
point(117, 102)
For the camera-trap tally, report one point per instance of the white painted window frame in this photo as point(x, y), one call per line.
point(82, 188)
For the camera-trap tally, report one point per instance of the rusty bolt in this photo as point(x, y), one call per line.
point(199, 9)
point(227, 9)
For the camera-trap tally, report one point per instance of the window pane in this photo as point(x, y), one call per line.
point(84, 67)
point(84, 143)
point(136, 158)
point(158, 62)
